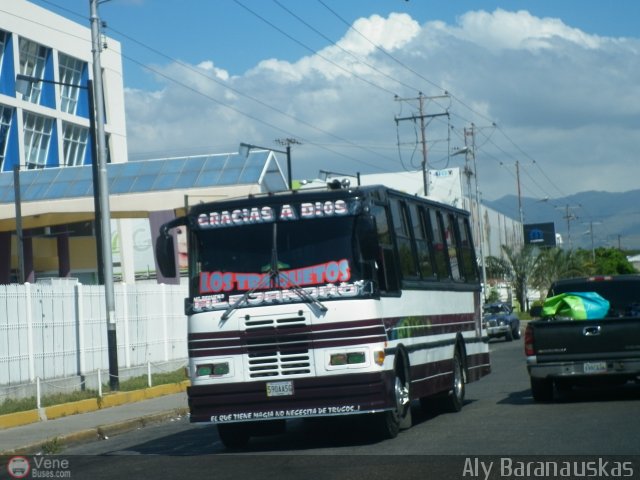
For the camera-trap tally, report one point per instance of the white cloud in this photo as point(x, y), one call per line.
point(518, 30)
point(569, 100)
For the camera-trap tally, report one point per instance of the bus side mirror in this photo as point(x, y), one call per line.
point(367, 236)
point(166, 254)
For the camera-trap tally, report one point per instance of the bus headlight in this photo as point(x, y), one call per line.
point(213, 369)
point(347, 358)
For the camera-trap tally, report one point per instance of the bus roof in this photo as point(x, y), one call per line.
point(373, 192)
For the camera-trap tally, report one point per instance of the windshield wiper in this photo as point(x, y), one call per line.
point(275, 271)
point(238, 303)
point(274, 282)
point(306, 296)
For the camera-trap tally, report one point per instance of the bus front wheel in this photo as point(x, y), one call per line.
point(391, 422)
point(234, 435)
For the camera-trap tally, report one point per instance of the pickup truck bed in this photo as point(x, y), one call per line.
point(561, 353)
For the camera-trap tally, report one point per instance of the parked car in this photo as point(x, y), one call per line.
point(500, 321)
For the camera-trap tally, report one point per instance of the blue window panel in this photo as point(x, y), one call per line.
point(129, 169)
point(251, 174)
point(210, 172)
point(165, 182)
point(6, 187)
point(43, 175)
point(57, 190)
point(143, 183)
point(80, 188)
point(170, 166)
point(194, 165)
point(186, 180)
point(33, 192)
point(207, 178)
point(121, 185)
point(230, 176)
point(68, 174)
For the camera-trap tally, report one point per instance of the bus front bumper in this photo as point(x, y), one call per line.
point(292, 398)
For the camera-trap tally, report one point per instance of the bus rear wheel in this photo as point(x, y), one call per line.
point(454, 401)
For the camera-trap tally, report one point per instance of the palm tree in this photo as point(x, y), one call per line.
point(522, 261)
point(556, 263)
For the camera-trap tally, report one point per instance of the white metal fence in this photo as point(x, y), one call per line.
point(58, 330)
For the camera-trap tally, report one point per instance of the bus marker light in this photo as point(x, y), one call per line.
point(378, 357)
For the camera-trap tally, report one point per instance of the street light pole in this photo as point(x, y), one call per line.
point(288, 142)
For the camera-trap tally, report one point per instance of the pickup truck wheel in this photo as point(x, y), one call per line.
point(509, 336)
point(542, 389)
point(516, 333)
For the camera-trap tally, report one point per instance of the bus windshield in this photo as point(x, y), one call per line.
point(273, 256)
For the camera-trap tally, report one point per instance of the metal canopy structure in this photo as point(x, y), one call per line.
point(53, 196)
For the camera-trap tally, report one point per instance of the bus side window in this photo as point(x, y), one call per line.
point(468, 254)
point(406, 257)
point(420, 228)
point(452, 245)
point(387, 273)
point(439, 246)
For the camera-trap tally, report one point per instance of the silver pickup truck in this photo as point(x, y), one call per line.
point(562, 353)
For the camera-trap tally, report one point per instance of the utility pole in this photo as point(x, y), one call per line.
point(590, 232)
point(287, 142)
point(423, 136)
point(568, 217)
point(520, 210)
point(470, 154)
point(105, 211)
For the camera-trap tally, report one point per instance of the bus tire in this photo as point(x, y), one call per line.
point(454, 400)
point(234, 436)
point(390, 423)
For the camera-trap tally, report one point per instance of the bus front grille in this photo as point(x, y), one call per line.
point(278, 347)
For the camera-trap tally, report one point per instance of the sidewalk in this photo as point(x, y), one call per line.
point(117, 413)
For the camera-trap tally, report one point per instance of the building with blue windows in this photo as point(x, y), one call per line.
point(46, 123)
point(47, 153)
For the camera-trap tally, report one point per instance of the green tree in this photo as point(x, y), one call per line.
point(497, 267)
point(611, 261)
point(555, 263)
point(522, 262)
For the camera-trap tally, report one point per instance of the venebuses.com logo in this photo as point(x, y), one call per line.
point(18, 467)
point(38, 467)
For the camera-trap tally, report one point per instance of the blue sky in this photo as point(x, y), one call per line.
point(551, 84)
point(237, 39)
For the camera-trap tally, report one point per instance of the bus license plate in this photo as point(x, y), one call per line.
point(279, 389)
point(595, 367)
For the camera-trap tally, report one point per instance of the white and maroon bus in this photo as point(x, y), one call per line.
point(326, 302)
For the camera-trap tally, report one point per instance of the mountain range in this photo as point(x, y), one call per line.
point(601, 219)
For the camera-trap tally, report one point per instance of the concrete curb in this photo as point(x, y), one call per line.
point(89, 405)
point(92, 434)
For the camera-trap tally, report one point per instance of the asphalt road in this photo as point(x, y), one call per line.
point(499, 419)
